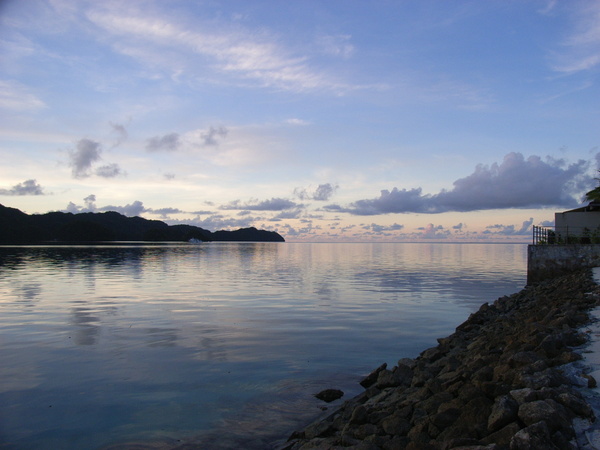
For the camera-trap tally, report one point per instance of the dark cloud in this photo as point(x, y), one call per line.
point(210, 137)
point(164, 212)
point(274, 204)
point(383, 228)
point(85, 154)
point(322, 193)
point(168, 142)
point(288, 214)
point(90, 202)
point(109, 171)
point(515, 183)
point(27, 187)
point(134, 209)
point(510, 230)
point(121, 133)
point(217, 222)
point(90, 205)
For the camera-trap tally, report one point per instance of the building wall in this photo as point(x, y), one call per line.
point(573, 223)
point(547, 261)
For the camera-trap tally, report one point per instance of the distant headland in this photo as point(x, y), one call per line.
point(17, 227)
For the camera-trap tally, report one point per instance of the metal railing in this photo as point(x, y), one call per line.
point(565, 235)
point(542, 235)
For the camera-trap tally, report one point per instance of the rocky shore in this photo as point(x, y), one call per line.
point(506, 379)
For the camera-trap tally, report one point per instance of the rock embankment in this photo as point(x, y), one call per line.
point(496, 383)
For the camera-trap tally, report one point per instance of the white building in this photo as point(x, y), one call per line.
point(580, 222)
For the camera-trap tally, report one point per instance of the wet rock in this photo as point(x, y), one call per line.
point(371, 379)
point(329, 395)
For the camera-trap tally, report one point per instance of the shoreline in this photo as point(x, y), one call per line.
point(511, 376)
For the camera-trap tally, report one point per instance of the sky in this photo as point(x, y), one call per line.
point(323, 120)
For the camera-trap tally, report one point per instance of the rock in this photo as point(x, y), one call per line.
point(396, 426)
point(503, 436)
point(524, 395)
point(359, 415)
point(371, 379)
point(495, 383)
point(533, 437)
point(576, 404)
point(329, 395)
point(504, 411)
point(548, 411)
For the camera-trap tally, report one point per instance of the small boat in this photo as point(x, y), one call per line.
point(195, 241)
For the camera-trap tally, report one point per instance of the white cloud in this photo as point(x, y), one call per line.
point(581, 50)
point(169, 45)
point(273, 204)
point(15, 96)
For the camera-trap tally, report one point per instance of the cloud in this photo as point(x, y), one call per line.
point(134, 209)
point(581, 50)
point(515, 183)
point(210, 137)
point(510, 230)
point(121, 133)
point(15, 97)
point(90, 202)
point(336, 45)
point(217, 222)
point(168, 142)
point(165, 43)
point(109, 171)
point(274, 204)
point(288, 214)
point(322, 193)
point(432, 231)
point(86, 153)
point(27, 187)
point(383, 228)
point(165, 212)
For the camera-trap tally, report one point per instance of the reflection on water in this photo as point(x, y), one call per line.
point(175, 343)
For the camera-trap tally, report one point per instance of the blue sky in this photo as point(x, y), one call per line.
point(335, 120)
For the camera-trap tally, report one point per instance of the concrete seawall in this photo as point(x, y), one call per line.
point(548, 261)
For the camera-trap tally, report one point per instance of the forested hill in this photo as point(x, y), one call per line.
point(17, 227)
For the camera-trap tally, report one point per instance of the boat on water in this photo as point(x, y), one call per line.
point(195, 241)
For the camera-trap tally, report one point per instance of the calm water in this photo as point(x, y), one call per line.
point(218, 344)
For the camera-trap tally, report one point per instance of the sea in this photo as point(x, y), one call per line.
point(218, 345)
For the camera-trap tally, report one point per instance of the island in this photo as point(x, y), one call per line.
point(17, 227)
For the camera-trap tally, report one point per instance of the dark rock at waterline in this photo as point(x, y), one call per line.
point(498, 382)
point(329, 395)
